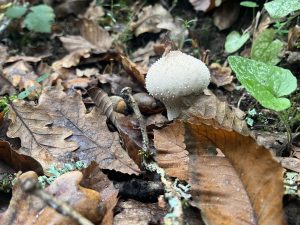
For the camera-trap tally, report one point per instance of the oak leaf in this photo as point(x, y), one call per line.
point(89, 131)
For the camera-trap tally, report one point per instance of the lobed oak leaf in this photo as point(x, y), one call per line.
point(39, 140)
point(89, 131)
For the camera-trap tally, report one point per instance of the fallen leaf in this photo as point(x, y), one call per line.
point(88, 72)
point(220, 75)
point(205, 5)
point(30, 59)
point(94, 12)
point(31, 209)
point(81, 82)
point(17, 161)
point(248, 169)
point(92, 37)
point(90, 132)
point(39, 140)
point(95, 179)
point(171, 154)
point(225, 15)
point(72, 59)
point(208, 108)
point(150, 19)
point(138, 213)
point(3, 54)
point(22, 75)
point(293, 37)
point(290, 163)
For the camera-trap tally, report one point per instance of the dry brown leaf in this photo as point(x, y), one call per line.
point(72, 59)
point(27, 209)
point(31, 59)
point(293, 37)
point(17, 161)
point(96, 142)
point(150, 19)
point(290, 163)
point(94, 12)
point(208, 108)
point(95, 179)
point(138, 213)
point(220, 75)
point(171, 154)
point(226, 15)
point(22, 75)
point(3, 54)
point(264, 24)
point(39, 140)
point(205, 5)
point(92, 37)
point(80, 82)
point(216, 187)
point(88, 72)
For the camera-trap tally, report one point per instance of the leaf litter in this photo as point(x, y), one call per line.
point(72, 115)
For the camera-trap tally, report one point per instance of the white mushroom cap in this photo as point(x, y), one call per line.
point(175, 76)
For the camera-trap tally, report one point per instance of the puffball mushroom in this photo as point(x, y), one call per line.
point(176, 79)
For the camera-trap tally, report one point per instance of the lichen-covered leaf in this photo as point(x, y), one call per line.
point(234, 41)
point(281, 8)
point(264, 82)
point(265, 48)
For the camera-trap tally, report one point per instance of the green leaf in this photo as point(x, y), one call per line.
point(16, 12)
point(266, 83)
point(281, 8)
point(266, 49)
point(249, 4)
point(24, 94)
point(40, 19)
point(42, 77)
point(234, 41)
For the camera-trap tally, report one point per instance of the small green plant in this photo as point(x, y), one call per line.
point(265, 48)
point(37, 18)
point(250, 114)
point(281, 8)
point(267, 84)
point(234, 41)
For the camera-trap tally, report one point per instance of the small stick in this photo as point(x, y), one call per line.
point(127, 93)
point(175, 216)
point(29, 184)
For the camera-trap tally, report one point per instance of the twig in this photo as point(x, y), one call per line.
point(29, 184)
point(127, 93)
point(172, 195)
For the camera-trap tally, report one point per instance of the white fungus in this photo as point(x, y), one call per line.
point(176, 79)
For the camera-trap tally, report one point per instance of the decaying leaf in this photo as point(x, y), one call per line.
point(150, 19)
point(293, 37)
point(205, 5)
point(92, 37)
point(220, 75)
point(95, 179)
point(17, 161)
point(225, 15)
point(138, 213)
point(66, 7)
point(209, 108)
point(72, 59)
point(94, 11)
point(41, 141)
point(171, 153)
point(217, 183)
point(89, 131)
point(21, 75)
point(27, 209)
